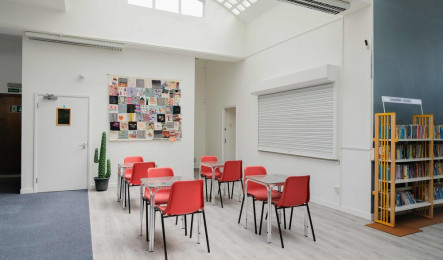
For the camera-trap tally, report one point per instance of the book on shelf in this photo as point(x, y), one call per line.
point(405, 198)
point(438, 150)
point(438, 167)
point(409, 171)
point(438, 193)
point(382, 170)
point(385, 131)
point(438, 131)
point(412, 131)
point(411, 151)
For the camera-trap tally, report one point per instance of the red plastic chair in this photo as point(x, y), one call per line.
point(139, 171)
point(232, 172)
point(161, 196)
point(206, 172)
point(257, 192)
point(295, 194)
point(186, 198)
point(128, 172)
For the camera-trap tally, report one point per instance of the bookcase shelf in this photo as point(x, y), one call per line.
point(390, 192)
point(438, 202)
point(436, 177)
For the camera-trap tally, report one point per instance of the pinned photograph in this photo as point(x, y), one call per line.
point(168, 109)
point(124, 126)
point(113, 80)
point(158, 126)
point(170, 125)
point(149, 92)
point(157, 93)
point(176, 118)
point(160, 110)
point(150, 134)
point(152, 109)
point(142, 101)
point(146, 117)
point(122, 82)
point(158, 134)
point(170, 101)
point(121, 99)
point(113, 135)
point(139, 117)
point(113, 117)
point(131, 92)
point(140, 92)
point(132, 116)
point(150, 126)
point(130, 108)
point(161, 118)
point(132, 134)
point(132, 125)
point(161, 101)
point(176, 101)
point(140, 83)
point(122, 91)
point(137, 108)
point(122, 108)
point(144, 109)
point(128, 100)
point(113, 100)
point(141, 134)
point(176, 110)
point(113, 90)
point(165, 134)
point(115, 126)
point(156, 84)
point(131, 82)
point(152, 101)
point(136, 100)
point(123, 134)
point(169, 118)
point(113, 108)
point(148, 83)
point(178, 125)
point(123, 117)
point(153, 118)
point(141, 125)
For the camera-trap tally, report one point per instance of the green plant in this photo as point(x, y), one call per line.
point(101, 160)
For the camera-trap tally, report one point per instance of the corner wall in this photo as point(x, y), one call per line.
point(55, 68)
point(339, 42)
point(10, 61)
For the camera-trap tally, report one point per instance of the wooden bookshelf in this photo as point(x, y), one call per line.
point(386, 186)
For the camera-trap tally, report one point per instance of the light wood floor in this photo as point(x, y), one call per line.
point(115, 235)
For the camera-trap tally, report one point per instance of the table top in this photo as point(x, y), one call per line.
point(213, 164)
point(163, 182)
point(270, 179)
point(126, 165)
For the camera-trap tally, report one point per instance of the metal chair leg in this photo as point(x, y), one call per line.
point(164, 237)
point(219, 192)
point(261, 218)
point(176, 220)
point(241, 208)
point(284, 218)
point(232, 193)
point(206, 230)
point(192, 222)
point(290, 218)
point(206, 188)
point(186, 226)
point(255, 218)
point(147, 226)
point(310, 222)
point(129, 199)
point(229, 195)
point(279, 229)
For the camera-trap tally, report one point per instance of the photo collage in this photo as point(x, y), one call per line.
point(144, 109)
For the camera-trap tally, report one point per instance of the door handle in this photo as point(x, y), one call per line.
point(83, 145)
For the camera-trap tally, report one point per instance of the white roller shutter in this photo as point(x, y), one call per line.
point(299, 122)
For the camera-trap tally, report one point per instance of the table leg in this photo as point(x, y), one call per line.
point(151, 221)
point(118, 183)
point(141, 210)
point(213, 186)
point(124, 193)
point(246, 204)
point(269, 214)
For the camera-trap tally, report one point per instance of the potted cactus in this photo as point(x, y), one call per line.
point(104, 170)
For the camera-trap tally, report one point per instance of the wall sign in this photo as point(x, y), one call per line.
point(144, 109)
point(15, 109)
point(63, 117)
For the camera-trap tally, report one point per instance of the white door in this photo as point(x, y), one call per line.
point(230, 131)
point(62, 150)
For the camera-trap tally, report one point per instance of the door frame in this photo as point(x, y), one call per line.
point(224, 132)
point(88, 149)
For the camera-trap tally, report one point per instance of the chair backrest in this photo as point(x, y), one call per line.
point(133, 159)
point(254, 170)
point(295, 192)
point(232, 171)
point(139, 171)
point(160, 172)
point(185, 197)
point(205, 169)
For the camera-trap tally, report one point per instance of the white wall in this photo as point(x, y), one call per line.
point(200, 112)
point(55, 68)
point(219, 32)
point(10, 61)
point(317, 45)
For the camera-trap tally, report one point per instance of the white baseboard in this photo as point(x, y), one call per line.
point(26, 190)
point(351, 211)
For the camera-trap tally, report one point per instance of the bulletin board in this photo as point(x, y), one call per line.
point(143, 109)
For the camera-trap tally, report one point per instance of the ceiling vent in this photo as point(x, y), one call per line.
point(74, 41)
point(326, 6)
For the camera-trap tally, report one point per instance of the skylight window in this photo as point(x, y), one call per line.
point(237, 6)
point(186, 7)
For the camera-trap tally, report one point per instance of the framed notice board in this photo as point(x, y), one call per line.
point(63, 117)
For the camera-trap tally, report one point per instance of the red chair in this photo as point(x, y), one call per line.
point(295, 194)
point(161, 197)
point(139, 171)
point(206, 172)
point(257, 192)
point(128, 172)
point(186, 198)
point(232, 172)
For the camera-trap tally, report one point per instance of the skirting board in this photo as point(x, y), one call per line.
point(354, 212)
point(110, 185)
point(26, 190)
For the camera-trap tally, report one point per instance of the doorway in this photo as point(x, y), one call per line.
point(229, 133)
point(10, 142)
point(62, 143)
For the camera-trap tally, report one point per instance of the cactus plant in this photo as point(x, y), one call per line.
point(101, 160)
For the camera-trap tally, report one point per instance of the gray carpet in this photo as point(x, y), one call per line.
point(53, 225)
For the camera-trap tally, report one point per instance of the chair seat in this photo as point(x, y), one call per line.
point(261, 194)
point(208, 175)
point(128, 174)
point(161, 196)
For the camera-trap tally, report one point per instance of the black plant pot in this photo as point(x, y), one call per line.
point(101, 184)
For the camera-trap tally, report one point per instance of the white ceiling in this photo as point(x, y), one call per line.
point(57, 5)
point(257, 9)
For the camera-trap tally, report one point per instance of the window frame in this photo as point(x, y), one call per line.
point(180, 11)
